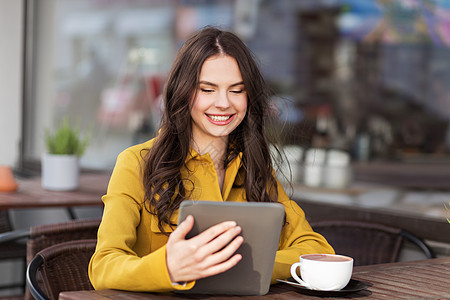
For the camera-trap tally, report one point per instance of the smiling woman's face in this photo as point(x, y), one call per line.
point(221, 101)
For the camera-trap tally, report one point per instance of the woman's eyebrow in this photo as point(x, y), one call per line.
point(215, 85)
point(237, 83)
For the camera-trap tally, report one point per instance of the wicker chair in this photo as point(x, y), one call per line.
point(63, 267)
point(368, 243)
point(13, 246)
point(44, 236)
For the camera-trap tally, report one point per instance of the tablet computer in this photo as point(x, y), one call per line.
point(261, 224)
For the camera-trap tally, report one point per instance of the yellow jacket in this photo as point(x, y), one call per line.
point(130, 253)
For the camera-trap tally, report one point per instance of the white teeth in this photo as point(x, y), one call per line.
point(219, 118)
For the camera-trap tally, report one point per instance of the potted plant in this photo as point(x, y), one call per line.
point(60, 164)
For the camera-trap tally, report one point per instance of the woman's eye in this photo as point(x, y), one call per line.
point(207, 90)
point(237, 91)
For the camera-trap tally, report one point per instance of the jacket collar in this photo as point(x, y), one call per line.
point(230, 173)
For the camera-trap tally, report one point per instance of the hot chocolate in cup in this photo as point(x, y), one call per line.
point(325, 272)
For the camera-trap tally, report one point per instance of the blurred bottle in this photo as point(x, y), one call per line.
point(337, 171)
point(321, 137)
point(362, 147)
point(314, 163)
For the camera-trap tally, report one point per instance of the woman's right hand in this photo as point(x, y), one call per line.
point(209, 253)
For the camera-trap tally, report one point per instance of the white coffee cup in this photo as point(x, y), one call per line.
point(325, 272)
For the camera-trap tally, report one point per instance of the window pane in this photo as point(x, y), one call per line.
point(355, 75)
point(103, 65)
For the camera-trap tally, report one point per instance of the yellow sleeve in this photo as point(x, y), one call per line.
point(297, 238)
point(119, 262)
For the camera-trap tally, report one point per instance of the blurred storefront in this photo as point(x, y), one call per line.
point(371, 78)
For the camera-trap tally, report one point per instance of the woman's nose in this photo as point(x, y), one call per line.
point(222, 100)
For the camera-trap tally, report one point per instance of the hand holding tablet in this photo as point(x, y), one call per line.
point(260, 226)
point(209, 253)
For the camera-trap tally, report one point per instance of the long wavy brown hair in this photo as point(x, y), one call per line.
point(164, 187)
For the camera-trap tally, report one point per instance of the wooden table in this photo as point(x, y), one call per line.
point(427, 279)
point(31, 194)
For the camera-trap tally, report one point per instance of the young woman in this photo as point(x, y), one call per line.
point(211, 146)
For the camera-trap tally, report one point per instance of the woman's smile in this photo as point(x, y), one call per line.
point(220, 119)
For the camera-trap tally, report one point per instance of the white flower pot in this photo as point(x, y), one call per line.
point(60, 172)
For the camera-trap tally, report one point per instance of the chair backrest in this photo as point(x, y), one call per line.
point(62, 267)
point(44, 236)
point(367, 243)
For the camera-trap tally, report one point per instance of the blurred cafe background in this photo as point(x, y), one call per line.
point(361, 87)
point(369, 77)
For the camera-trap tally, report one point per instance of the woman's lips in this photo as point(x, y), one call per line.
point(220, 119)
